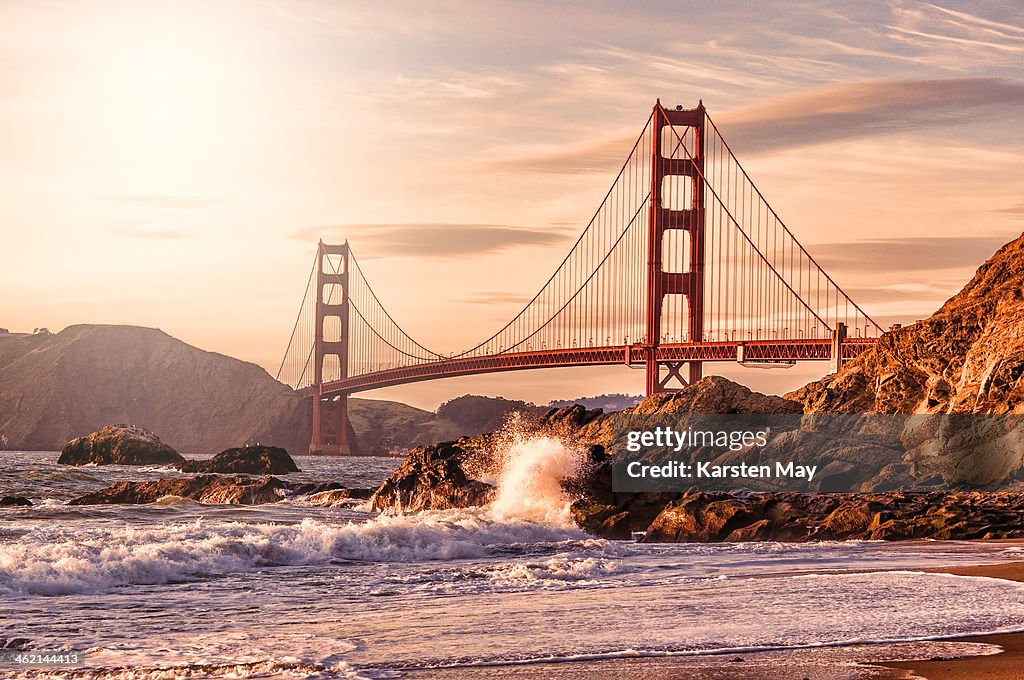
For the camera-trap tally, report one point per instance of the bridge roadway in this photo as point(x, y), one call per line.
point(752, 351)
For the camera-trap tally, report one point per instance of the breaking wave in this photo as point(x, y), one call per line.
point(98, 560)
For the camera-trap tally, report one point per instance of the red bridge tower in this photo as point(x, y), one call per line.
point(332, 433)
point(662, 219)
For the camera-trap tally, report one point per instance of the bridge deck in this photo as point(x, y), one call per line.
point(753, 351)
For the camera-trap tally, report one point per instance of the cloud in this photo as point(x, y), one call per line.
point(849, 111)
point(829, 114)
point(488, 298)
point(908, 254)
point(436, 239)
point(131, 229)
point(599, 157)
point(160, 202)
point(1014, 211)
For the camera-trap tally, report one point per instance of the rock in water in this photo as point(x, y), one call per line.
point(216, 489)
point(433, 478)
point(14, 501)
point(252, 460)
point(335, 497)
point(119, 445)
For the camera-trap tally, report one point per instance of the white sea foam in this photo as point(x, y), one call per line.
point(555, 570)
point(530, 508)
point(529, 484)
point(277, 668)
point(100, 559)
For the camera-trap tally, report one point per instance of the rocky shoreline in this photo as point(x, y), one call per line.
point(929, 478)
point(221, 489)
point(451, 475)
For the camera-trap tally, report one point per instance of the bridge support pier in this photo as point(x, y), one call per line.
point(666, 376)
point(332, 431)
point(838, 338)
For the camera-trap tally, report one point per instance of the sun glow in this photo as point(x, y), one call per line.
point(160, 96)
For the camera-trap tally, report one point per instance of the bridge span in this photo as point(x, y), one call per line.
point(684, 262)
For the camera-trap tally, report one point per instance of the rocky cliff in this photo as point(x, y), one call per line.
point(968, 357)
point(961, 371)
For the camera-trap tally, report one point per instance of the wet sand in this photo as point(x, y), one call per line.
point(945, 660)
point(1008, 665)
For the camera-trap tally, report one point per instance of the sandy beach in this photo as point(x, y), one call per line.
point(951, 662)
point(1007, 665)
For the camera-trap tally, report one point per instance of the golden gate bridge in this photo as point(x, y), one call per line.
point(684, 262)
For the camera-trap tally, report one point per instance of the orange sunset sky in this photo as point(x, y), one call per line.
point(172, 164)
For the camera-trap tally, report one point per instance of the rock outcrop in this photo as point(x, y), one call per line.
point(217, 489)
point(447, 475)
point(708, 517)
point(338, 497)
point(119, 445)
point(213, 489)
point(711, 395)
point(434, 478)
point(250, 460)
point(968, 357)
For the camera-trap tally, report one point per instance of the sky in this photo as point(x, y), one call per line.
point(173, 164)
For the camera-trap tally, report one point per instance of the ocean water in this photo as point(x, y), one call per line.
point(176, 589)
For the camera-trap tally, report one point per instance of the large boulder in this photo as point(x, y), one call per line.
point(119, 445)
point(14, 502)
point(711, 395)
point(213, 489)
point(433, 478)
point(252, 460)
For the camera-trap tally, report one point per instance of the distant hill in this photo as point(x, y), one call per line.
point(607, 402)
point(54, 387)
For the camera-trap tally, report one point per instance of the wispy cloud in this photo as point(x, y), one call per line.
point(829, 114)
point(143, 232)
point(1014, 210)
point(1000, 29)
point(128, 228)
point(868, 108)
point(436, 239)
point(597, 157)
point(908, 254)
point(489, 298)
point(157, 202)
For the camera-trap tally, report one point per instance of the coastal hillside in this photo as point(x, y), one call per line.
point(56, 387)
point(968, 357)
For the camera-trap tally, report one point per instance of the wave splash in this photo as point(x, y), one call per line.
point(530, 508)
point(533, 465)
